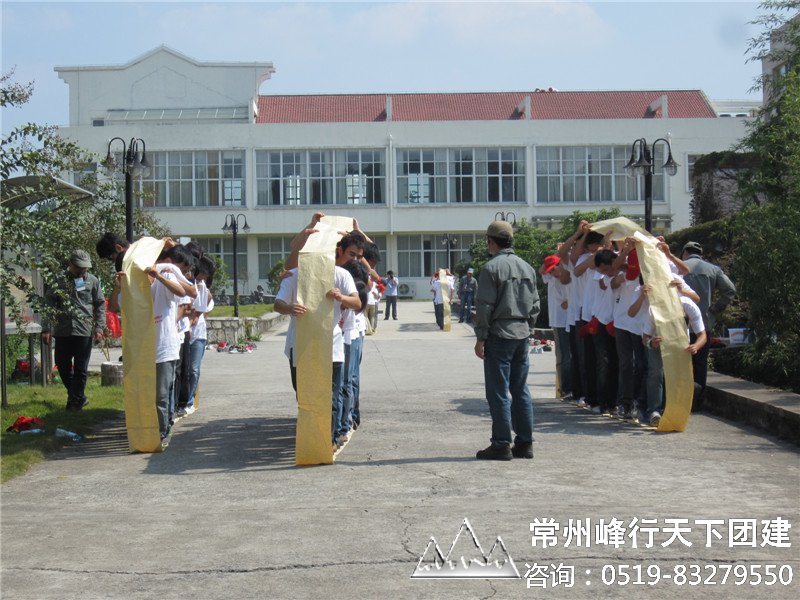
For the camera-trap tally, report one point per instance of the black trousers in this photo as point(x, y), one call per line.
point(391, 303)
point(182, 373)
point(72, 355)
point(700, 367)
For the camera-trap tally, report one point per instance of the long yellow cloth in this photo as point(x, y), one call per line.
point(669, 320)
point(314, 342)
point(444, 282)
point(139, 347)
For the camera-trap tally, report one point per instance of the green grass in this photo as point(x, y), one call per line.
point(19, 452)
point(245, 310)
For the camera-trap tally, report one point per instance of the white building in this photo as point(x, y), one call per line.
point(410, 167)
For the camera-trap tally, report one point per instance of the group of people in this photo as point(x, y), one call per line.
point(467, 286)
point(354, 281)
point(608, 348)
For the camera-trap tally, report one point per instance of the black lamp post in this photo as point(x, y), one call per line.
point(507, 216)
point(132, 165)
point(449, 241)
point(644, 166)
point(232, 225)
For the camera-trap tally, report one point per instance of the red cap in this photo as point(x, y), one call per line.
point(633, 270)
point(550, 262)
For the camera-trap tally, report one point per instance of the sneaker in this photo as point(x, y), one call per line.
point(606, 412)
point(340, 440)
point(655, 419)
point(494, 453)
point(522, 450)
point(581, 403)
point(188, 410)
point(620, 413)
point(356, 424)
point(632, 417)
point(595, 410)
point(567, 397)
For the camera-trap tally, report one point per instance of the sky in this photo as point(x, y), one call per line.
point(363, 47)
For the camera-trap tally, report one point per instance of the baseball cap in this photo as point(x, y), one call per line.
point(550, 262)
point(470, 270)
point(500, 229)
point(80, 258)
point(693, 246)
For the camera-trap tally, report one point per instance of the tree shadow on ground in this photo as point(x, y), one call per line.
point(224, 445)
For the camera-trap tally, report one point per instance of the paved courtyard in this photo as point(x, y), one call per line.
point(224, 513)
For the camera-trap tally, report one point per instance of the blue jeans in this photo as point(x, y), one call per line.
point(350, 385)
point(465, 314)
point(165, 394)
point(505, 369)
point(564, 359)
point(356, 352)
point(336, 392)
point(196, 351)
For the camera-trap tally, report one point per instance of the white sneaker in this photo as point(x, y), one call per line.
point(655, 419)
point(189, 410)
point(581, 403)
point(620, 414)
point(567, 397)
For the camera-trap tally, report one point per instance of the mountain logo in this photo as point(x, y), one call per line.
point(462, 561)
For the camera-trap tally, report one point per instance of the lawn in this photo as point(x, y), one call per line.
point(245, 310)
point(19, 452)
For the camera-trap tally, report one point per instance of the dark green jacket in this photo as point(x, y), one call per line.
point(507, 302)
point(89, 305)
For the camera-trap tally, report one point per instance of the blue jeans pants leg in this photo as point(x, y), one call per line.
point(465, 314)
point(343, 416)
point(336, 392)
point(356, 352)
point(505, 369)
point(197, 350)
point(165, 393)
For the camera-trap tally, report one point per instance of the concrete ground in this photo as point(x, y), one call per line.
point(224, 513)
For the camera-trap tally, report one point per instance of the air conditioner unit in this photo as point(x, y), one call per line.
point(407, 290)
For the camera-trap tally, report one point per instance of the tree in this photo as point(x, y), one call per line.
point(40, 237)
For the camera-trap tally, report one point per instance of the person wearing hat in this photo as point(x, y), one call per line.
point(506, 307)
point(75, 325)
point(467, 287)
point(705, 278)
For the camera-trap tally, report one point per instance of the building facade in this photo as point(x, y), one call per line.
point(409, 167)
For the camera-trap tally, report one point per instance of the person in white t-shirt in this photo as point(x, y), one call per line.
point(202, 305)
point(344, 295)
point(167, 286)
point(652, 342)
point(600, 305)
point(438, 299)
point(552, 274)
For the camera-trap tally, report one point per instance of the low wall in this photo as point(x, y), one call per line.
point(230, 329)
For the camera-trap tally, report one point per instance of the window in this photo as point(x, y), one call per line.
point(461, 175)
point(691, 159)
point(201, 178)
point(421, 255)
point(272, 250)
point(592, 174)
point(223, 248)
point(291, 178)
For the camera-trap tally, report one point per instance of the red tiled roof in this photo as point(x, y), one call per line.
point(486, 106)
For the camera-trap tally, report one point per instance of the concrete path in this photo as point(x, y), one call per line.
point(224, 513)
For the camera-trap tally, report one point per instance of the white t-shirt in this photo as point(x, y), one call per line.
point(591, 291)
point(165, 312)
point(690, 310)
point(643, 320)
point(627, 295)
point(202, 304)
point(288, 294)
point(605, 300)
point(436, 288)
point(556, 294)
point(575, 288)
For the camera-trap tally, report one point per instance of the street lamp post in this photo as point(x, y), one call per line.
point(507, 216)
point(232, 225)
point(644, 165)
point(132, 165)
point(449, 241)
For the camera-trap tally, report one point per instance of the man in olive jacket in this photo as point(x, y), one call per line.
point(506, 307)
point(76, 326)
